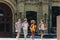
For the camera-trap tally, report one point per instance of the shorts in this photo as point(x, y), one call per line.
point(41, 31)
point(25, 31)
point(18, 29)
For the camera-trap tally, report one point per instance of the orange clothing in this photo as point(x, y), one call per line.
point(33, 27)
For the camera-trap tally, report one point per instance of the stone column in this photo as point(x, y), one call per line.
point(58, 27)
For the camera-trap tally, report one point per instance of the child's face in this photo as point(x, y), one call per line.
point(34, 23)
point(19, 20)
point(25, 20)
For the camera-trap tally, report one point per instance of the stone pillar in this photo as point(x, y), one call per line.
point(58, 27)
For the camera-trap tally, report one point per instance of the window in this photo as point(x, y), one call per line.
point(1, 19)
point(7, 27)
point(7, 19)
point(1, 27)
point(1, 13)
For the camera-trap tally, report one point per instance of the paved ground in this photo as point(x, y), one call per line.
point(23, 39)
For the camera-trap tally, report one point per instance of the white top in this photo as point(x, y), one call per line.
point(25, 25)
point(18, 25)
point(42, 26)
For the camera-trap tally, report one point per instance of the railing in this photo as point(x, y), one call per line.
point(53, 30)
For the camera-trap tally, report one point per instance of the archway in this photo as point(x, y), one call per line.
point(31, 15)
point(5, 20)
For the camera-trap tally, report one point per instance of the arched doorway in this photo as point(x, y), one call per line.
point(31, 15)
point(5, 20)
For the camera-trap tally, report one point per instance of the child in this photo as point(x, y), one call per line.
point(25, 27)
point(42, 26)
point(33, 28)
point(18, 27)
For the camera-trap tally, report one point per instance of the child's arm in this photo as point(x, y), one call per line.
point(45, 26)
point(35, 26)
point(39, 27)
point(30, 27)
point(16, 25)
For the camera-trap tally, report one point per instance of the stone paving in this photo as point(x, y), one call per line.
point(24, 39)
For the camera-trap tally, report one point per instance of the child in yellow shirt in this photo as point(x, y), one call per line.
point(33, 28)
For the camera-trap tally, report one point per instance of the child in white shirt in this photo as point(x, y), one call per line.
point(25, 27)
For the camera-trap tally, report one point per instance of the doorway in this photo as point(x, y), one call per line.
point(5, 20)
point(55, 13)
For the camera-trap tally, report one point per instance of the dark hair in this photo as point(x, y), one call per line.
point(33, 21)
point(42, 21)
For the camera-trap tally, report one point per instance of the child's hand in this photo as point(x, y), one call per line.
point(39, 28)
point(45, 28)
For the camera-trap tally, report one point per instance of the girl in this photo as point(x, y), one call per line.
point(25, 27)
point(18, 27)
point(33, 28)
point(42, 26)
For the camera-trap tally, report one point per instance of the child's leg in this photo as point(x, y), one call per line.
point(18, 34)
point(25, 34)
point(42, 34)
point(33, 35)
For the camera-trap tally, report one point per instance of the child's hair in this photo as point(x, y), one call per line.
point(32, 21)
point(25, 19)
point(42, 21)
point(19, 19)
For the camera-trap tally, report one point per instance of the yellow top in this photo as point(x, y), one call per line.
point(33, 27)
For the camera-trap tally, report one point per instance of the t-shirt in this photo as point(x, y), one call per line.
point(25, 25)
point(42, 26)
point(33, 27)
point(18, 25)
